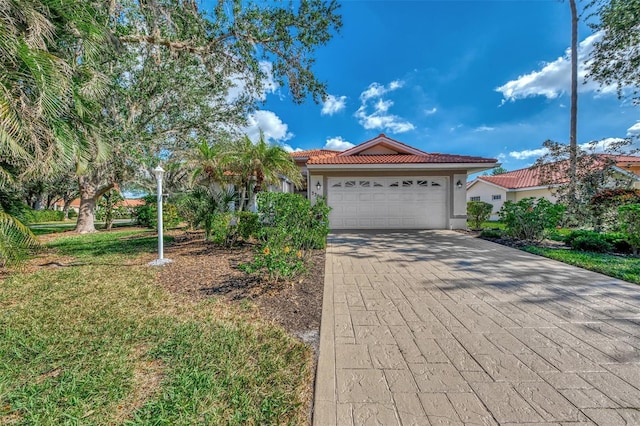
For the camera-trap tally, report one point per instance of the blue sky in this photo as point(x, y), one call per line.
point(487, 78)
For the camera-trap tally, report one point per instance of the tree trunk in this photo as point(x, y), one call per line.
point(573, 143)
point(89, 194)
point(65, 210)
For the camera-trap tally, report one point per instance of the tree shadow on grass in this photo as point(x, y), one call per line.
point(95, 247)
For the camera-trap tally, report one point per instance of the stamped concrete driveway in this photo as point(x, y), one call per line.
point(435, 327)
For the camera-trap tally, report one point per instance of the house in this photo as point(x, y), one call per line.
point(385, 184)
point(530, 182)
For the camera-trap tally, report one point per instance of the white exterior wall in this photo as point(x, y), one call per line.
point(486, 192)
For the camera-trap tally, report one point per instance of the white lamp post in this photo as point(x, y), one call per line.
point(159, 172)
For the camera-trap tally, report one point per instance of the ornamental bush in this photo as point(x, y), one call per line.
point(630, 224)
point(591, 241)
point(528, 219)
point(289, 227)
point(147, 214)
point(478, 212)
point(604, 206)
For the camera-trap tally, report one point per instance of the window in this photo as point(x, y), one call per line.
point(377, 184)
point(435, 184)
point(337, 185)
point(407, 183)
point(474, 198)
point(496, 197)
point(423, 183)
point(365, 183)
point(350, 184)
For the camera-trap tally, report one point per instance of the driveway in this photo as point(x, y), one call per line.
point(436, 327)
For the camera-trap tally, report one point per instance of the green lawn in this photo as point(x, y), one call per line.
point(101, 343)
point(625, 268)
point(488, 225)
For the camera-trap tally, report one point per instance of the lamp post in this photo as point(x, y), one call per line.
point(159, 173)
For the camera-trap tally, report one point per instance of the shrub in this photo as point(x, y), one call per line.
point(491, 233)
point(40, 216)
point(591, 242)
point(598, 242)
point(529, 218)
point(247, 224)
point(207, 208)
point(630, 218)
point(605, 204)
point(289, 227)
point(147, 214)
point(478, 212)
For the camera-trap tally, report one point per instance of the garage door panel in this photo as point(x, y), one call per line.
point(395, 202)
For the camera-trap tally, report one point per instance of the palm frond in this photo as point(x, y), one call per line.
point(16, 240)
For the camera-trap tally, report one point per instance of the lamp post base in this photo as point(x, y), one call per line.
point(159, 262)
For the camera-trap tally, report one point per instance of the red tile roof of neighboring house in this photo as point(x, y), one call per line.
point(312, 153)
point(398, 159)
point(538, 176)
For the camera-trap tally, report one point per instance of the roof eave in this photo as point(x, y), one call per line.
point(469, 167)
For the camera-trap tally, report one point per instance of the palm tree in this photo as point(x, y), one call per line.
point(46, 47)
point(255, 164)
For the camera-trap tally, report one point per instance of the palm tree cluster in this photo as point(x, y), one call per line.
point(245, 165)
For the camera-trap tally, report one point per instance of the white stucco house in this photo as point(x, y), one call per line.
point(525, 183)
point(385, 184)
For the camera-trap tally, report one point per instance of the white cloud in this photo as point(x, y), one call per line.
point(528, 153)
point(269, 84)
point(634, 130)
point(484, 129)
point(333, 105)
point(274, 129)
point(288, 148)
point(431, 111)
point(554, 78)
point(338, 144)
point(603, 145)
point(380, 118)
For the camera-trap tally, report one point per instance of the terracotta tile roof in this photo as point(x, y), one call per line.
point(312, 153)
point(398, 159)
point(534, 176)
point(380, 137)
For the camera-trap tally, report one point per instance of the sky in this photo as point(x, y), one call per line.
point(483, 78)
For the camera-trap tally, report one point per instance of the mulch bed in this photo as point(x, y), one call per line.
point(201, 270)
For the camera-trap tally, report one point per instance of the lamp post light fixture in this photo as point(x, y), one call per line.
point(318, 186)
point(160, 261)
point(459, 184)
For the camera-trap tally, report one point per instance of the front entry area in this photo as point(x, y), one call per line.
point(388, 202)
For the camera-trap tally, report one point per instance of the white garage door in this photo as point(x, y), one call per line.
point(388, 203)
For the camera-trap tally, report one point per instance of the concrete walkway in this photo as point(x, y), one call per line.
point(435, 327)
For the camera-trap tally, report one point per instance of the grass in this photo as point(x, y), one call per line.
point(624, 268)
point(102, 343)
point(60, 227)
point(488, 225)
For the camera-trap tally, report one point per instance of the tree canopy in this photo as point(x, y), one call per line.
point(616, 56)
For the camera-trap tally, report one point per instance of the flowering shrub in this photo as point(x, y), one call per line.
point(290, 228)
point(529, 218)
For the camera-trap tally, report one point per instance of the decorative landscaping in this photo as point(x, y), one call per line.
point(91, 334)
point(533, 225)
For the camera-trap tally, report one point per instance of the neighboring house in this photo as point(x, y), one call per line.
point(524, 183)
point(385, 184)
